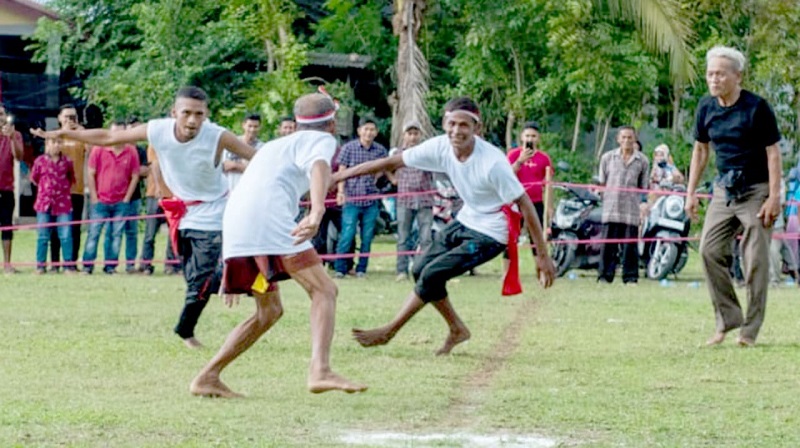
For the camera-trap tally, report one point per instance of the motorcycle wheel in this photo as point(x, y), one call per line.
point(662, 261)
point(563, 252)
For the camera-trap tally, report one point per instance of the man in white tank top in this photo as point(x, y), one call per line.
point(189, 150)
point(485, 181)
point(262, 244)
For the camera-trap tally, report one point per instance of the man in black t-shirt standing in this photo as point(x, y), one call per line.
point(741, 128)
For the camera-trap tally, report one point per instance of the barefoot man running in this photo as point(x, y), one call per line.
point(189, 150)
point(485, 181)
point(262, 245)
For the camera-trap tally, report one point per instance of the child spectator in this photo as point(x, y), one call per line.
point(54, 175)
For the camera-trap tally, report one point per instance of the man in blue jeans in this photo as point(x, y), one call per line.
point(113, 176)
point(357, 211)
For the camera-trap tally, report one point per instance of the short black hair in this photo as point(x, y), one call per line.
point(66, 106)
point(462, 103)
point(254, 117)
point(119, 122)
point(133, 119)
point(192, 92)
point(531, 125)
point(287, 118)
point(366, 120)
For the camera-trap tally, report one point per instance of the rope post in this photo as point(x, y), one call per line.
point(548, 194)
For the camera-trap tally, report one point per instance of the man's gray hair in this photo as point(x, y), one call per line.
point(729, 53)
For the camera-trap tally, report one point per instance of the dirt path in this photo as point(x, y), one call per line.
point(463, 411)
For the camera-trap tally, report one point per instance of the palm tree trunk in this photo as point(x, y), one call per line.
point(412, 69)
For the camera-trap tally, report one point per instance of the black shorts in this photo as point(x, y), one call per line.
point(455, 250)
point(201, 253)
point(7, 204)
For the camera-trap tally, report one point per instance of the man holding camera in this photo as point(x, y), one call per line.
point(742, 129)
point(530, 165)
point(10, 150)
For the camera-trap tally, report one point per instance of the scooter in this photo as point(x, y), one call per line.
point(578, 217)
point(667, 219)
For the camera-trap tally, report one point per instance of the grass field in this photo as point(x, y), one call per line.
point(92, 361)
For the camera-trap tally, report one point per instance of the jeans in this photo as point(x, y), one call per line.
point(131, 229)
point(405, 220)
point(151, 226)
point(64, 235)
point(112, 245)
point(75, 229)
point(352, 216)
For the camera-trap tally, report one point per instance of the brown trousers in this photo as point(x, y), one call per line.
point(720, 228)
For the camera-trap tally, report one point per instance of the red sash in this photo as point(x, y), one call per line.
point(511, 283)
point(174, 210)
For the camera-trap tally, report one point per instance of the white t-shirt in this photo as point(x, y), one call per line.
point(261, 212)
point(232, 176)
point(189, 171)
point(485, 181)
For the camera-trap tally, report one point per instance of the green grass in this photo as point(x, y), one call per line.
point(92, 361)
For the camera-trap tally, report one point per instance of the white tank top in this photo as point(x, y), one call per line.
point(189, 171)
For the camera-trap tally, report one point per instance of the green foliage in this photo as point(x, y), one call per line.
point(134, 55)
point(580, 170)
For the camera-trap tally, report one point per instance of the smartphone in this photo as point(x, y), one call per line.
point(528, 145)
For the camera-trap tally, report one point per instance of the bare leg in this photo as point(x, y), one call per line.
point(268, 311)
point(382, 335)
point(322, 292)
point(7, 257)
point(458, 330)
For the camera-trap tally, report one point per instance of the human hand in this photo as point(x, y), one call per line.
point(692, 204)
point(93, 198)
point(769, 211)
point(307, 227)
point(230, 299)
point(45, 134)
point(525, 155)
point(7, 129)
point(545, 270)
point(340, 199)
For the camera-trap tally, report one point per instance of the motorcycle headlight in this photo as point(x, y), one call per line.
point(673, 207)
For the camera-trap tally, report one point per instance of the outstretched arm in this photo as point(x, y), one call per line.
point(98, 137)
point(376, 166)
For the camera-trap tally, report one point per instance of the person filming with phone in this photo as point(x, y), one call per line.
point(530, 165)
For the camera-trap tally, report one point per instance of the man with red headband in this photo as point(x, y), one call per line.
point(189, 149)
point(262, 245)
point(485, 181)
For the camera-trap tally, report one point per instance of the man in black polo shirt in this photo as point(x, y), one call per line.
point(742, 129)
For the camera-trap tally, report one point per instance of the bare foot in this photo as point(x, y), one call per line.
point(454, 338)
point(745, 342)
point(211, 386)
point(372, 338)
point(193, 343)
point(324, 382)
point(716, 339)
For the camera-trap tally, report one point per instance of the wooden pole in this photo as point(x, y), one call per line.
point(548, 194)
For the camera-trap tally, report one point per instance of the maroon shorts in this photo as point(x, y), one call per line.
point(240, 273)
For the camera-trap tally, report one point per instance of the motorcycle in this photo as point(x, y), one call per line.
point(578, 217)
point(666, 219)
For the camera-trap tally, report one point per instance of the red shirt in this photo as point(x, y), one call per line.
point(54, 180)
point(7, 161)
point(533, 170)
point(114, 172)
